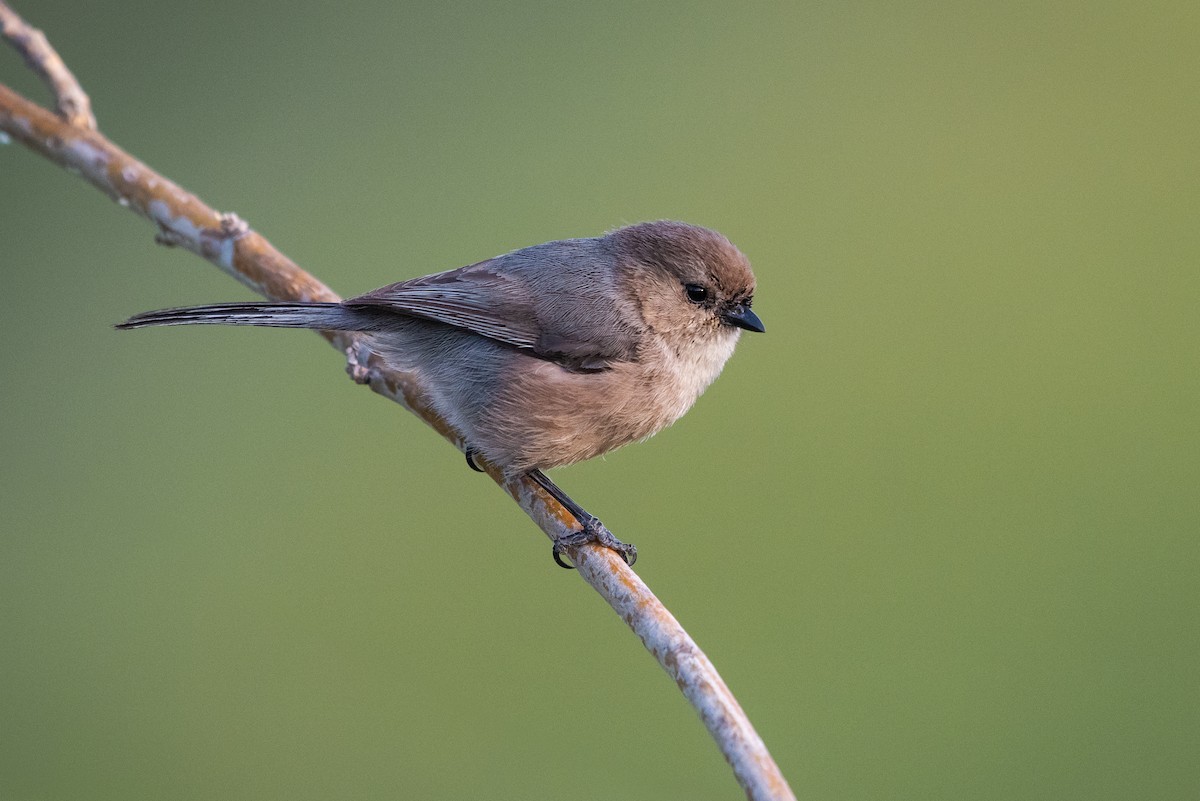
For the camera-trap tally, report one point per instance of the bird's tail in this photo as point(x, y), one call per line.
point(324, 316)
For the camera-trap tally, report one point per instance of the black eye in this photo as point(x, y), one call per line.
point(696, 293)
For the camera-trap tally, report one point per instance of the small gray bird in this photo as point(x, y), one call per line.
point(551, 354)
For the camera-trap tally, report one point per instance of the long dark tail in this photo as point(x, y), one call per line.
point(324, 316)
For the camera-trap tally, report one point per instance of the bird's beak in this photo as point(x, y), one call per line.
point(741, 316)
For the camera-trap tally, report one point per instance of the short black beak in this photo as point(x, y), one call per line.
point(742, 317)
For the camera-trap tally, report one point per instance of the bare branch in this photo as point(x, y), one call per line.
point(223, 239)
point(72, 102)
point(683, 660)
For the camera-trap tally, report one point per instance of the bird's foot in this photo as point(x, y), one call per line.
point(593, 531)
point(470, 454)
point(359, 373)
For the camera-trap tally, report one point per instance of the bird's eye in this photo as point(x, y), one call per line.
point(696, 293)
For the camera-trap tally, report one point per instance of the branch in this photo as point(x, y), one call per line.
point(184, 220)
point(73, 105)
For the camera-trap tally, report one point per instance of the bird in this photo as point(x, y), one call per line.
point(550, 354)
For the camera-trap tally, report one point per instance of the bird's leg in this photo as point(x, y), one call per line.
point(592, 529)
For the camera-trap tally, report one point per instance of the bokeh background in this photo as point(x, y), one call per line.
point(937, 528)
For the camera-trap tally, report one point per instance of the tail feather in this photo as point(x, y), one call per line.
point(324, 316)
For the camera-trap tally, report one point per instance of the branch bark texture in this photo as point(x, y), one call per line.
point(72, 103)
point(69, 138)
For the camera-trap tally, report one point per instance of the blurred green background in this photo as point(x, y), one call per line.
point(937, 528)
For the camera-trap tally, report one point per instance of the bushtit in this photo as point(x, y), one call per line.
point(553, 353)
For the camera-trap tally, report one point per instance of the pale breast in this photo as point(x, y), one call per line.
point(695, 368)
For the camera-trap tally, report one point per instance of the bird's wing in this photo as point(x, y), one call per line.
point(478, 298)
point(499, 300)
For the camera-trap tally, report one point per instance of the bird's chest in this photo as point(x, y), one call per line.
point(688, 371)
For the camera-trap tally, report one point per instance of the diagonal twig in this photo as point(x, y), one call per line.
point(184, 220)
point(72, 103)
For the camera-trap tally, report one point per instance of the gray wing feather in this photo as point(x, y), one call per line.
point(479, 298)
point(555, 301)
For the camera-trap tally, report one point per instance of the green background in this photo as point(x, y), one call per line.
point(937, 528)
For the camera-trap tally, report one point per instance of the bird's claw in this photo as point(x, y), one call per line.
point(593, 531)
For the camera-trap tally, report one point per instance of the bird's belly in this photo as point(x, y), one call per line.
point(549, 417)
